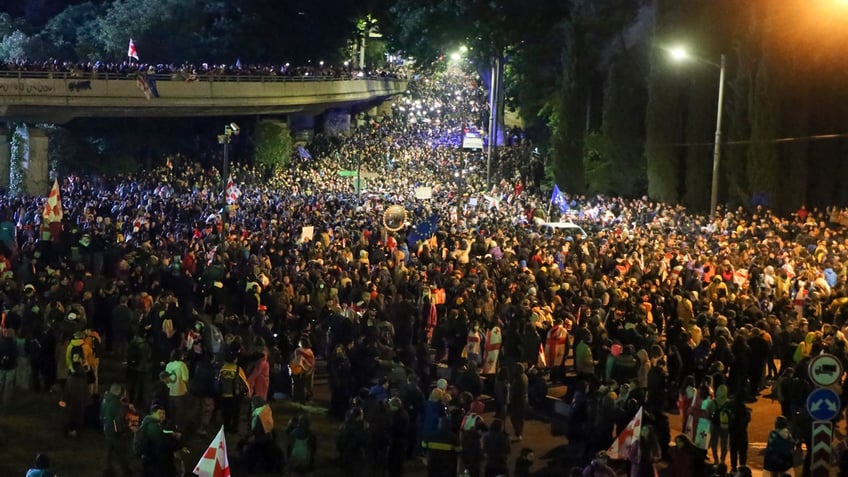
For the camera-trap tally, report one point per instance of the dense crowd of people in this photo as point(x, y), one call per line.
point(192, 72)
point(464, 308)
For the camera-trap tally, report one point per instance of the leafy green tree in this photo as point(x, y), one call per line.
point(273, 145)
point(13, 47)
point(72, 34)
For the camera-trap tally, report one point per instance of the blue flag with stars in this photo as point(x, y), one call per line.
point(558, 199)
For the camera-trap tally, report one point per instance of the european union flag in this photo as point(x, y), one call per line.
point(303, 153)
point(558, 199)
point(424, 230)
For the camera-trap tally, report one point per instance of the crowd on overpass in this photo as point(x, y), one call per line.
point(192, 72)
point(466, 307)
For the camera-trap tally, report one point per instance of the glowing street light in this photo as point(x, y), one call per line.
point(463, 49)
point(455, 56)
point(679, 54)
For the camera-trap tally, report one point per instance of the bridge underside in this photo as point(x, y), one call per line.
point(65, 114)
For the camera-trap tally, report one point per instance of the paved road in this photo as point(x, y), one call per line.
point(537, 434)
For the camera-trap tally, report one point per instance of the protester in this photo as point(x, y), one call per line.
point(650, 296)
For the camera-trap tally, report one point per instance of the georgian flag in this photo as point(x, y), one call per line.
point(53, 207)
point(623, 445)
point(233, 192)
point(214, 462)
point(131, 51)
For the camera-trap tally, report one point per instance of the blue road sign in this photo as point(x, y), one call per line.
point(823, 404)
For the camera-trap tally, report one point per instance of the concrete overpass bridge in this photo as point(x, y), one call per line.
point(59, 97)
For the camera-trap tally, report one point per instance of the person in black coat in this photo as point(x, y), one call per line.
point(399, 437)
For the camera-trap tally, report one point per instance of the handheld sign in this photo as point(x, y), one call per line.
point(825, 370)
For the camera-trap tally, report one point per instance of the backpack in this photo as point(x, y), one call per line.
point(721, 417)
point(228, 383)
point(77, 354)
point(133, 356)
point(300, 458)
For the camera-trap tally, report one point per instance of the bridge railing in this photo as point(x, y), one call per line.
point(131, 76)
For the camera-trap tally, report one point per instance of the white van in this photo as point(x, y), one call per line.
point(568, 229)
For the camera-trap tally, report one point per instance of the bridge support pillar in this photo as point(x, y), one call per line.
point(37, 166)
point(336, 122)
point(302, 127)
point(5, 157)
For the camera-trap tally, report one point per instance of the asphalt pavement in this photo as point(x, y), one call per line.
point(537, 433)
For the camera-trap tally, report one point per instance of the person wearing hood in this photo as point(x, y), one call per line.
point(518, 400)
point(258, 446)
point(779, 449)
point(301, 447)
point(719, 409)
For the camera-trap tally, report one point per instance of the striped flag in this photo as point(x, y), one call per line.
point(131, 51)
point(214, 462)
point(233, 192)
point(53, 207)
point(622, 446)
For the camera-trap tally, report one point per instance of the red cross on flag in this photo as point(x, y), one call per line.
point(233, 192)
point(53, 207)
point(131, 51)
point(623, 445)
point(214, 462)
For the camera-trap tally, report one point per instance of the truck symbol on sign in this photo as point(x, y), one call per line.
point(826, 369)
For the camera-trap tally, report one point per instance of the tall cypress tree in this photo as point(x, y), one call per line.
point(763, 164)
point(625, 100)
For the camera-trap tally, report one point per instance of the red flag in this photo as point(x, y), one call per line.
point(622, 446)
point(214, 462)
point(131, 52)
point(53, 207)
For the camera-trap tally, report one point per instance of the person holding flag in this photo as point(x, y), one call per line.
point(558, 199)
point(51, 226)
point(233, 192)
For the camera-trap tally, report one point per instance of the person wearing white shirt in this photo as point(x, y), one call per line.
point(178, 388)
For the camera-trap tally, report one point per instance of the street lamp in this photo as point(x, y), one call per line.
point(680, 54)
point(230, 130)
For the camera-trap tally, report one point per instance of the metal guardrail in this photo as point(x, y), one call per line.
point(88, 75)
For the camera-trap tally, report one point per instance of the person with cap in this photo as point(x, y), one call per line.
point(42, 467)
point(155, 445)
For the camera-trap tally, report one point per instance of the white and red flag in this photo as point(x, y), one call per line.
point(214, 462)
point(233, 192)
point(622, 446)
point(53, 207)
point(131, 51)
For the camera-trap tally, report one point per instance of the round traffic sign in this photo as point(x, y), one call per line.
point(825, 370)
point(823, 404)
